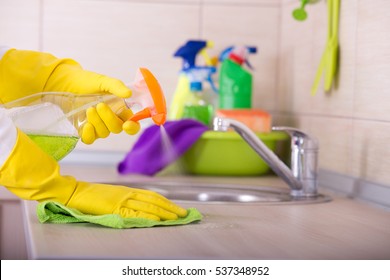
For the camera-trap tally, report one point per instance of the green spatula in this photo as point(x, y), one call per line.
point(329, 60)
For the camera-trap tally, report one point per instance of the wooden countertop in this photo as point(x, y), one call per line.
point(340, 229)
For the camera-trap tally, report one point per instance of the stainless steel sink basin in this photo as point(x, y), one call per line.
point(224, 193)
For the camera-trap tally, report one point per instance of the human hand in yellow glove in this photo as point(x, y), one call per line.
point(101, 199)
point(101, 121)
point(23, 73)
point(32, 174)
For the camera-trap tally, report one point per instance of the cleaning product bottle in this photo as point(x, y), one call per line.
point(53, 120)
point(191, 88)
point(235, 82)
point(201, 101)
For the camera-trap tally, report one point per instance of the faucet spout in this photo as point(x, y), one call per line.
point(302, 177)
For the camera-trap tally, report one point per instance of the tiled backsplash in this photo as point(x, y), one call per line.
point(352, 122)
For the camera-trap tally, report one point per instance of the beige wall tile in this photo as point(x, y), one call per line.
point(372, 98)
point(284, 119)
point(244, 2)
point(371, 151)
point(256, 25)
point(302, 46)
point(117, 39)
point(334, 136)
point(20, 23)
point(296, 64)
point(293, 32)
point(196, 2)
point(295, 58)
point(285, 81)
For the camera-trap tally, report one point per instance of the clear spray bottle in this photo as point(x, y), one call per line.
point(53, 120)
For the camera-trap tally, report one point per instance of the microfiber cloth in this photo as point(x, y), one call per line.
point(57, 213)
point(150, 154)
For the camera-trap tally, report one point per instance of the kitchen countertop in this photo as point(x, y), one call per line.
point(340, 229)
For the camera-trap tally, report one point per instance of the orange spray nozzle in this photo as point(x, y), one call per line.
point(158, 112)
point(158, 118)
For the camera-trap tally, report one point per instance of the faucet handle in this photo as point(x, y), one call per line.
point(299, 138)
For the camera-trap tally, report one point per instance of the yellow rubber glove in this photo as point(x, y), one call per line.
point(101, 121)
point(23, 73)
point(32, 174)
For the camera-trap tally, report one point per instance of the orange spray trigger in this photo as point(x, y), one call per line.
point(158, 110)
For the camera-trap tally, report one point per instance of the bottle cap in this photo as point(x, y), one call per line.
point(196, 86)
point(236, 58)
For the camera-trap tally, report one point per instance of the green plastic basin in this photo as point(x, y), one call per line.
point(227, 154)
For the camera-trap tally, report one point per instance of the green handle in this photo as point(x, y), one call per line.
point(329, 60)
point(300, 13)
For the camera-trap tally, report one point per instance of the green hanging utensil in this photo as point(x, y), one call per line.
point(329, 60)
point(333, 51)
point(300, 13)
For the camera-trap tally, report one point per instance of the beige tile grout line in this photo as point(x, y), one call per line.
point(278, 59)
point(353, 117)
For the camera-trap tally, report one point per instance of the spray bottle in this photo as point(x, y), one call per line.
point(201, 101)
point(53, 120)
point(235, 82)
point(192, 98)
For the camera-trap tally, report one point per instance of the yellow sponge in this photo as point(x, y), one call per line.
point(255, 119)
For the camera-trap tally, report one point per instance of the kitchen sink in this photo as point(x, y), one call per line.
point(225, 193)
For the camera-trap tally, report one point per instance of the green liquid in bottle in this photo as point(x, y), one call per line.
point(56, 146)
point(202, 113)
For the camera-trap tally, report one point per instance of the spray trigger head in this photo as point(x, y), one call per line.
point(157, 110)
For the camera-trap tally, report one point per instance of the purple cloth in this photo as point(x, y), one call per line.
point(156, 149)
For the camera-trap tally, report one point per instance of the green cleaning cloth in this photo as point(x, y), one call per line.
point(57, 213)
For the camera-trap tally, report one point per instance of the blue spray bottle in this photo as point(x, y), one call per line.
point(195, 94)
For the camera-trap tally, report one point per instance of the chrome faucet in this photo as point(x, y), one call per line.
point(302, 177)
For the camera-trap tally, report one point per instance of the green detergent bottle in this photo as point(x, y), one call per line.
point(235, 82)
